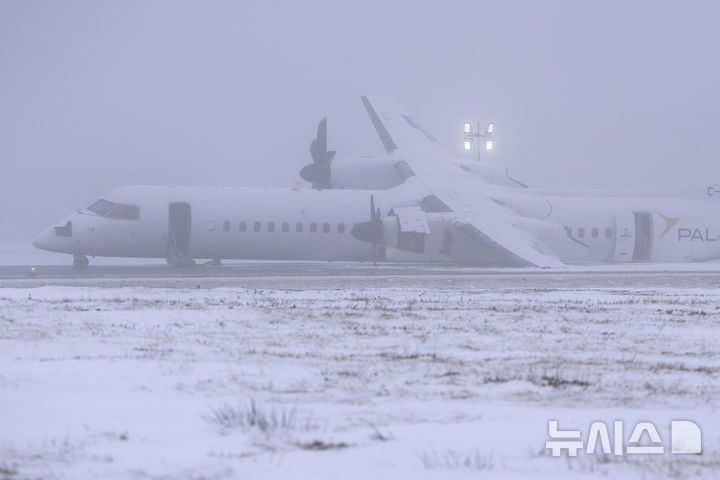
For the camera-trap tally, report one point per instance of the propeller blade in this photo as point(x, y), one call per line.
point(370, 231)
point(318, 173)
point(318, 147)
point(316, 151)
point(321, 136)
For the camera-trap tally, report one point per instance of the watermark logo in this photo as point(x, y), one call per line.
point(685, 437)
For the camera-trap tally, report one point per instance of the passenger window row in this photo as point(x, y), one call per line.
point(594, 232)
point(257, 226)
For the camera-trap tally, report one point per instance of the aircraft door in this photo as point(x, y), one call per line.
point(179, 235)
point(643, 236)
point(624, 237)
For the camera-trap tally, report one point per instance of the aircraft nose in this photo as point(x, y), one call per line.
point(44, 239)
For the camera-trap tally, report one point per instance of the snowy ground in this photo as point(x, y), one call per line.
point(435, 382)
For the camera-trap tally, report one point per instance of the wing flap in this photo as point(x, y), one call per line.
point(512, 246)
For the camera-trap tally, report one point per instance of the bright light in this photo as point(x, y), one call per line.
point(491, 128)
point(467, 145)
point(467, 127)
point(488, 145)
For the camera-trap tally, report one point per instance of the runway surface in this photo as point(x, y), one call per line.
point(324, 275)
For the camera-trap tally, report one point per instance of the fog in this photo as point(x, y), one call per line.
point(585, 94)
point(439, 325)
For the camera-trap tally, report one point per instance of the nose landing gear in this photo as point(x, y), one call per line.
point(80, 262)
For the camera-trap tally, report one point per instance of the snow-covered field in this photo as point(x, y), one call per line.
point(349, 382)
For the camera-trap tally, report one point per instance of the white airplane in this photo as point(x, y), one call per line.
point(425, 205)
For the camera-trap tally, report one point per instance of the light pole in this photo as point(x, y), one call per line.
point(475, 136)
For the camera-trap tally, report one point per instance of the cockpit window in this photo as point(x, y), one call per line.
point(120, 211)
point(125, 212)
point(101, 207)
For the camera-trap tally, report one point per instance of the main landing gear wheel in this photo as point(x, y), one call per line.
point(80, 262)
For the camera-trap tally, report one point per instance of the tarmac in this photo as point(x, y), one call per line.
point(335, 275)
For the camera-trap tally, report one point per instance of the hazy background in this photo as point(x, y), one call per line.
point(586, 94)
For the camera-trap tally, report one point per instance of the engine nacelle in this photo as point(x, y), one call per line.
point(411, 235)
point(524, 204)
point(379, 172)
point(366, 172)
point(489, 172)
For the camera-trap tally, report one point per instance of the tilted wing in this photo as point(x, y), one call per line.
point(483, 219)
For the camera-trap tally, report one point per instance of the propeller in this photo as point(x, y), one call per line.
point(318, 172)
point(371, 231)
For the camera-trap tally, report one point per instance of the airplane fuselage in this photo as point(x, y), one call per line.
point(641, 228)
point(224, 223)
point(306, 224)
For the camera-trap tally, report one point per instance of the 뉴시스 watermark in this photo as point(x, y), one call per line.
point(685, 438)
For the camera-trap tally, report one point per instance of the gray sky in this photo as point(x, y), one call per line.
point(586, 94)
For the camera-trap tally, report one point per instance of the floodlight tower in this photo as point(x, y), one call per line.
point(475, 137)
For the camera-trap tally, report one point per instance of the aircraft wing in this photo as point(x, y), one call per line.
point(482, 217)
